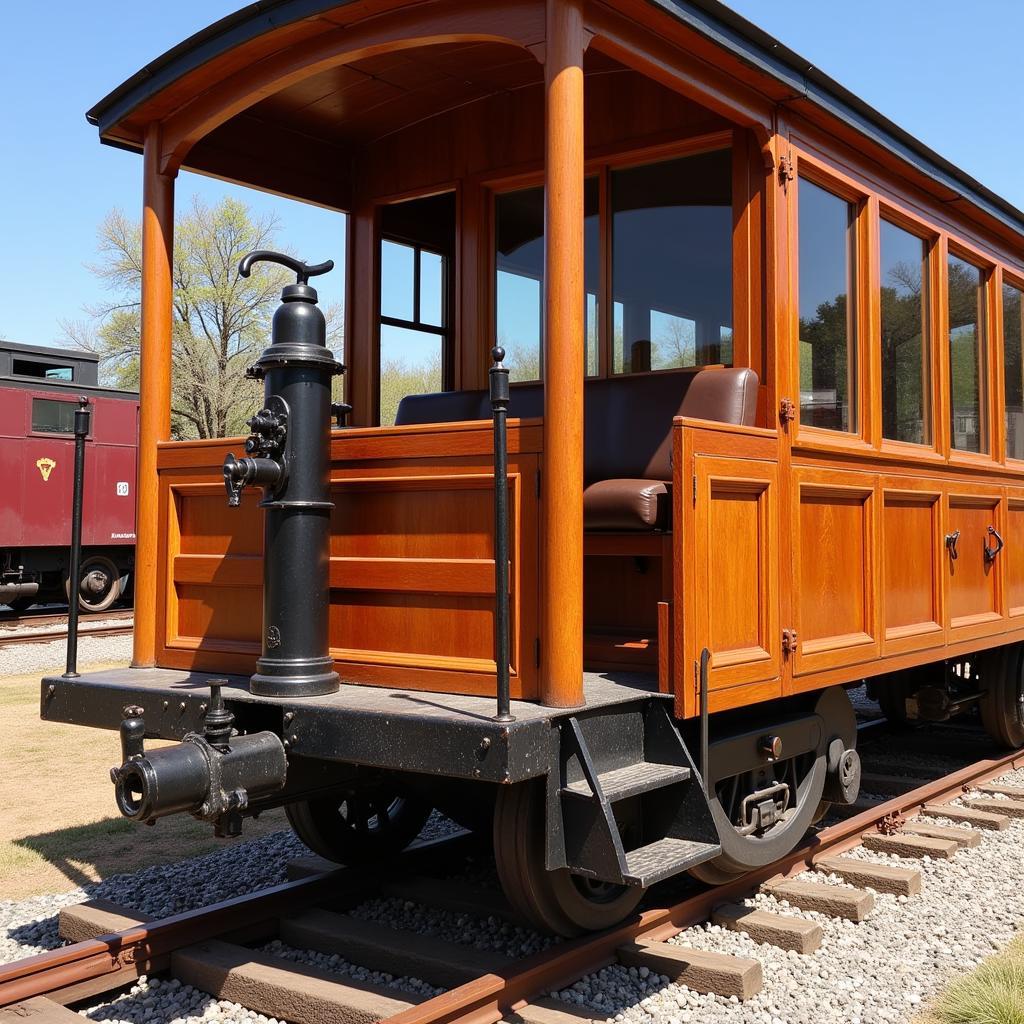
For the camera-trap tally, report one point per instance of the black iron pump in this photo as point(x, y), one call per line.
point(288, 454)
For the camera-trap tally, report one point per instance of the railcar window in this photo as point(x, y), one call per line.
point(905, 363)
point(828, 331)
point(672, 263)
point(968, 363)
point(519, 288)
point(1014, 372)
point(48, 371)
point(53, 417)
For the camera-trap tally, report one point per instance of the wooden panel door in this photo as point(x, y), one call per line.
point(731, 600)
point(974, 587)
point(912, 595)
point(833, 579)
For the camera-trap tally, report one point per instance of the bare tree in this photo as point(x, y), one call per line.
point(221, 320)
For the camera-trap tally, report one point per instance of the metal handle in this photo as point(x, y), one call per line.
point(990, 553)
point(951, 539)
point(302, 271)
point(499, 410)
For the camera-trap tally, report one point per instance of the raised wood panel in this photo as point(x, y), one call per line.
point(911, 553)
point(412, 570)
point(1014, 554)
point(973, 584)
point(735, 583)
point(834, 570)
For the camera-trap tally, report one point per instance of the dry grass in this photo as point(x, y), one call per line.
point(59, 827)
point(991, 994)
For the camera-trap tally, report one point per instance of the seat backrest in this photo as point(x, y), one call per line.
point(627, 419)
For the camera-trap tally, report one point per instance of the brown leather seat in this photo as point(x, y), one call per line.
point(627, 433)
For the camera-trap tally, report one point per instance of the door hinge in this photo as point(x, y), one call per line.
point(789, 640)
point(695, 488)
point(787, 411)
point(786, 172)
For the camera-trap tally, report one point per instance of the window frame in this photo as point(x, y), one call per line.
point(601, 165)
point(50, 397)
point(990, 402)
point(1004, 276)
point(932, 267)
point(862, 437)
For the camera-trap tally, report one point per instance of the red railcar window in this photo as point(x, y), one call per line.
point(53, 417)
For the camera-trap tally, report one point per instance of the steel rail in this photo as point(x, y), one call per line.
point(51, 635)
point(139, 946)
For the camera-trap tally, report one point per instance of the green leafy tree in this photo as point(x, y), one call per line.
point(221, 320)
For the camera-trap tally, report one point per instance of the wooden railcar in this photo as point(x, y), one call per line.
point(767, 403)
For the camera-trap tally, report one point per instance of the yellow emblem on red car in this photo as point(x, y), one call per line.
point(46, 467)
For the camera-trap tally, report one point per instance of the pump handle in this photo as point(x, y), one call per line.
point(303, 272)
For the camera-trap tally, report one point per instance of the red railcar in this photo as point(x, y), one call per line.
point(39, 388)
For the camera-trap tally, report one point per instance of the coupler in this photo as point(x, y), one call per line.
point(214, 776)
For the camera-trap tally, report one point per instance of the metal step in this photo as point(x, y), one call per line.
point(632, 780)
point(665, 858)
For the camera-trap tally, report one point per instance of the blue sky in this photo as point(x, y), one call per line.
point(944, 70)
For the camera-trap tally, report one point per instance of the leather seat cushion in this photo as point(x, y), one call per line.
point(627, 504)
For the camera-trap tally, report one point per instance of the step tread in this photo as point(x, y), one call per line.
point(666, 857)
point(640, 777)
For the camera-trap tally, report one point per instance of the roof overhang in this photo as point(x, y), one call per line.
point(709, 19)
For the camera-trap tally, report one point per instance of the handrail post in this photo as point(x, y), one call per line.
point(82, 417)
point(499, 411)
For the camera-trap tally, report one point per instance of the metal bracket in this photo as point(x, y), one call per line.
point(786, 172)
point(787, 411)
point(951, 541)
point(789, 641)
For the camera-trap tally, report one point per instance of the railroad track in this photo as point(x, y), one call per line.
point(213, 948)
point(49, 627)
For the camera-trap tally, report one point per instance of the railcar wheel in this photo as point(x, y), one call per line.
point(552, 901)
point(99, 584)
point(1002, 706)
point(358, 828)
point(744, 849)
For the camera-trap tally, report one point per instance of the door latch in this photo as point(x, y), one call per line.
point(990, 553)
point(951, 540)
point(787, 411)
point(789, 641)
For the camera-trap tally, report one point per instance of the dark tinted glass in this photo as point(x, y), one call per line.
point(50, 371)
point(519, 288)
point(672, 263)
point(1014, 382)
point(828, 351)
point(905, 364)
point(51, 417)
point(967, 361)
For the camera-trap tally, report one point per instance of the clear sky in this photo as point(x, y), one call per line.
point(946, 71)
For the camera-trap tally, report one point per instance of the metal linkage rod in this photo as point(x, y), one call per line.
point(499, 410)
point(82, 416)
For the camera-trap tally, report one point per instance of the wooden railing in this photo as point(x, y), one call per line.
point(412, 569)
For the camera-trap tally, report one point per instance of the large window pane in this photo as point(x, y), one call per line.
point(519, 289)
point(1014, 369)
point(828, 352)
point(672, 263)
point(905, 363)
point(53, 417)
point(410, 364)
point(397, 276)
point(967, 362)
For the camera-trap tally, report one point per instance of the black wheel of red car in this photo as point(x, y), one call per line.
point(552, 901)
point(1002, 702)
point(99, 584)
point(21, 604)
point(744, 850)
point(358, 828)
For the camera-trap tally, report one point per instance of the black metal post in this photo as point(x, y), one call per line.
point(705, 757)
point(499, 410)
point(82, 417)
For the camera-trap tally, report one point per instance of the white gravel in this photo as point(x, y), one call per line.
point(23, 659)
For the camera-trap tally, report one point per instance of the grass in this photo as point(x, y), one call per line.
point(993, 993)
point(59, 827)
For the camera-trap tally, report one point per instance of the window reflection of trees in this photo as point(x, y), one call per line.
point(966, 356)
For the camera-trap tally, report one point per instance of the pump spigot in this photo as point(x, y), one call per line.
point(303, 271)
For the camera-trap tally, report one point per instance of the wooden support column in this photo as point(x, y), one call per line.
point(564, 339)
point(154, 385)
